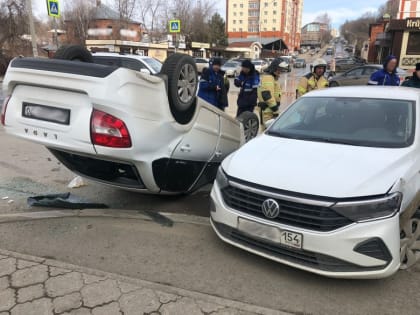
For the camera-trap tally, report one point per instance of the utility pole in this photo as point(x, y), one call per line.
point(32, 28)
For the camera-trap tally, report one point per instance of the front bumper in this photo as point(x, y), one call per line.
point(329, 254)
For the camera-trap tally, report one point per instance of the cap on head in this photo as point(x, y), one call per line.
point(418, 66)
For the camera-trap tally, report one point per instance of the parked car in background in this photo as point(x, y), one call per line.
point(232, 68)
point(133, 62)
point(285, 63)
point(201, 63)
point(222, 60)
point(341, 195)
point(342, 65)
point(360, 76)
point(329, 51)
point(300, 63)
point(260, 65)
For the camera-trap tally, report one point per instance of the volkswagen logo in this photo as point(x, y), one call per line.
point(270, 208)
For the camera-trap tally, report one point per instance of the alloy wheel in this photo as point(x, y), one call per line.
point(187, 83)
point(251, 128)
point(410, 242)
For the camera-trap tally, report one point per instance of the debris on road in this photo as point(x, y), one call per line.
point(65, 201)
point(10, 201)
point(5, 198)
point(77, 182)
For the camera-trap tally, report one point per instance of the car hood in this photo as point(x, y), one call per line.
point(316, 168)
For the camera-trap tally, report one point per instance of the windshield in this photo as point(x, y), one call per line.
point(230, 64)
point(153, 63)
point(352, 121)
point(257, 63)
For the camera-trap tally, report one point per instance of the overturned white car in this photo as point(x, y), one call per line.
point(133, 130)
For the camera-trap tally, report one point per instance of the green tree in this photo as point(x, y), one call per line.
point(217, 30)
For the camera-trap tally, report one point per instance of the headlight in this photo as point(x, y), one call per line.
point(370, 209)
point(221, 179)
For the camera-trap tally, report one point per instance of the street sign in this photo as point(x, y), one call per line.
point(53, 8)
point(174, 26)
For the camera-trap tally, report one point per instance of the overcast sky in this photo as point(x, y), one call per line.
point(339, 10)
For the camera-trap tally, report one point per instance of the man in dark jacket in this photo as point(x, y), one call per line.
point(414, 81)
point(248, 82)
point(388, 75)
point(212, 87)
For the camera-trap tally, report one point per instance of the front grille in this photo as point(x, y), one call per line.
point(301, 257)
point(310, 217)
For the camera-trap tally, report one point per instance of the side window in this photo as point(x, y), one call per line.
point(369, 71)
point(355, 72)
point(132, 64)
point(107, 61)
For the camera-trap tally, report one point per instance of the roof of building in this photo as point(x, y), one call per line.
point(103, 12)
point(246, 44)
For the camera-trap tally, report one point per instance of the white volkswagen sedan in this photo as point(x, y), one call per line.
point(332, 187)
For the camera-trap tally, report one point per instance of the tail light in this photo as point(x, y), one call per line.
point(109, 131)
point(3, 111)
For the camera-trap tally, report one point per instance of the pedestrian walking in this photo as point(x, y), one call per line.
point(388, 75)
point(212, 87)
point(248, 82)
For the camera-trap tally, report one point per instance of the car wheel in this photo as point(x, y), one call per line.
point(251, 124)
point(182, 74)
point(289, 69)
point(333, 84)
point(74, 53)
point(235, 74)
point(410, 241)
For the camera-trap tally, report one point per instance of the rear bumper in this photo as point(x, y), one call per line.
point(329, 254)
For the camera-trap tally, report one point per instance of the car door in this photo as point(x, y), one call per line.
point(367, 72)
point(352, 77)
point(192, 158)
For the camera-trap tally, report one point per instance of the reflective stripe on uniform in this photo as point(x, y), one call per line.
point(302, 90)
point(373, 82)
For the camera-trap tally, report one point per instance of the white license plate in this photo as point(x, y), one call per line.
point(270, 233)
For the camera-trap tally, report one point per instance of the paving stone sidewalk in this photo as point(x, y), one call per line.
point(36, 286)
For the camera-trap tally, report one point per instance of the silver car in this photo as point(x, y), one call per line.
point(232, 68)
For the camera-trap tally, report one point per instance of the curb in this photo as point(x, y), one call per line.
point(147, 284)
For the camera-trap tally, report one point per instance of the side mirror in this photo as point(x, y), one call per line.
point(268, 123)
point(145, 71)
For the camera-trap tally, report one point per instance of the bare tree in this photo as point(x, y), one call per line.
point(78, 17)
point(126, 9)
point(13, 21)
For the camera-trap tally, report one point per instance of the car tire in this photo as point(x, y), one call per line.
point(235, 74)
point(251, 124)
point(410, 241)
point(73, 53)
point(289, 69)
point(182, 74)
point(333, 84)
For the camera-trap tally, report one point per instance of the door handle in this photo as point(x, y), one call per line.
point(186, 148)
point(218, 154)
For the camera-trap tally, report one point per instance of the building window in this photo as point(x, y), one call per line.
point(265, 12)
point(274, 12)
point(234, 5)
point(266, 4)
point(234, 29)
point(413, 45)
point(275, 3)
point(253, 5)
point(241, 13)
point(274, 29)
point(265, 21)
point(240, 21)
point(253, 29)
point(274, 21)
point(234, 21)
point(234, 13)
point(265, 29)
point(241, 5)
point(240, 30)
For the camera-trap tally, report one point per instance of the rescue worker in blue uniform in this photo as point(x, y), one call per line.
point(388, 75)
point(212, 87)
point(248, 82)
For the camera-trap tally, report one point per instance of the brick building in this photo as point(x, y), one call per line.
point(275, 24)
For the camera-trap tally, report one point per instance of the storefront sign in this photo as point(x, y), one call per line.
point(410, 61)
point(413, 24)
point(200, 45)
